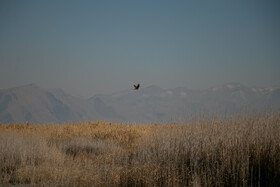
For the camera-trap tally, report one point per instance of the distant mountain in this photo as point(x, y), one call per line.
point(31, 103)
point(155, 104)
point(149, 104)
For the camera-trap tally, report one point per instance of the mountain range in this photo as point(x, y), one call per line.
point(149, 104)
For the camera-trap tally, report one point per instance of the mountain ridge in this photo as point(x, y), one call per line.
point(149, 104)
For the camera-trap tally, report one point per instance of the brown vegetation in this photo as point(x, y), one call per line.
point(239, 151)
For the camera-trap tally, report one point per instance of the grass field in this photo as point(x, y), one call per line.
point(237, 151)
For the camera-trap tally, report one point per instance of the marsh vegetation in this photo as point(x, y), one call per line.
point(237, 151)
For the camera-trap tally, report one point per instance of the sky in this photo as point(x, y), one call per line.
point(91, 47)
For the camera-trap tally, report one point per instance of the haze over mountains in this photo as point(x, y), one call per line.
point(149, 104)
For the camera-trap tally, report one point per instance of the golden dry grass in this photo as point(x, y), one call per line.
point(237, 151)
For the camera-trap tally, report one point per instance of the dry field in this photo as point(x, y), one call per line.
point(237, 151)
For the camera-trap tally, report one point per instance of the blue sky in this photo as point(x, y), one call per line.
point(90, 47)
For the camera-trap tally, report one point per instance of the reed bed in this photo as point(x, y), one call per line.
point(236, 151)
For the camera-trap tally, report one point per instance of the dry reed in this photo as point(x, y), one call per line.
point(236, 151)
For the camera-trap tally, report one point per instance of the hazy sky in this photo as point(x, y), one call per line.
point(89, 47)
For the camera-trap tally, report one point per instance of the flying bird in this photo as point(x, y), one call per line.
point(136, 87)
